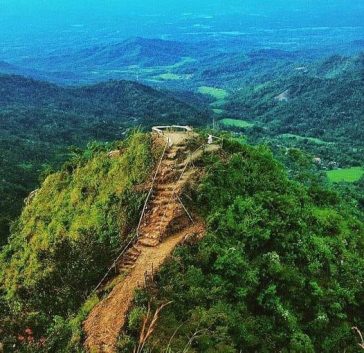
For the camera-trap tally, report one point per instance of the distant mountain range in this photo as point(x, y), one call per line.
point(7, 68)
point(169, 64)
point(324, 100)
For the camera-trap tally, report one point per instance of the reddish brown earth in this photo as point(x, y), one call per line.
point(164, 226)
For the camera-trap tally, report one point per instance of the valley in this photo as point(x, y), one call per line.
point(181, 177)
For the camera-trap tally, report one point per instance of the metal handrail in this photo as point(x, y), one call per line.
point(159, 129)
point(152, 187)
point(175, 187)
point(131, 242)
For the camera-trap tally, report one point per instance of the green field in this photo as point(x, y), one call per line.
point(218, 93)
point(236, 123)
point(170, 76)
point(349, 175)
point(302, 138)
point(184, 61)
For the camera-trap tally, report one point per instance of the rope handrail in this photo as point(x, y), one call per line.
point(136, 236)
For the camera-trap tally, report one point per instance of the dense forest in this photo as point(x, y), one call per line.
point(241, 234)
point(75, 223)
point(325, 107)
point(294, 99)
point(40, 122)
point(318, 109)
point(278, 269)
point(279, 239)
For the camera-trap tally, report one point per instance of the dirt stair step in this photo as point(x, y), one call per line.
point(165, 187)
point(171, 156)
point(126, 268)
point(148, 242)
point(167, 178)
point(128, 262)
point(135, 250)
point(130, 256)
point(159, 202)
point(168, 163)
point(165, 193)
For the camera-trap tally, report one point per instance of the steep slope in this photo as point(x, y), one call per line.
point(68, 232)
point(280, 259)
point(164, 225)
point(39, 121)
point(277, 271)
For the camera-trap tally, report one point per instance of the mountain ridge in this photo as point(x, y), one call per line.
point(261, 268)
point(44, 120)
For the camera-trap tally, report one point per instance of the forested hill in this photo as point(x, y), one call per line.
point(324, 100)
point(141, 51)
point(39, 121)
point(114, 99)
point(280, 268)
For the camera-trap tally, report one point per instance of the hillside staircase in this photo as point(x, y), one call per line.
point(164, 223)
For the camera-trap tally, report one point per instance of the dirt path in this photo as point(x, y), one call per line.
point(163, 226)
point(108, 317)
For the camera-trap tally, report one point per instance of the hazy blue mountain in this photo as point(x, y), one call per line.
point(135, 51)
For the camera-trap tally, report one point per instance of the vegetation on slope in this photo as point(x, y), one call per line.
point(280, 269)
point(321, 105)
point(325, 108)
point(39, 121)
point(67, 237)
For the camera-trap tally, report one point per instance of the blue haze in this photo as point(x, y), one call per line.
point(41, 26)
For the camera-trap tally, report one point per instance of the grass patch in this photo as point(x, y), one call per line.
point(169, 76)
point(217, 93)
point(218, 111)
point(240, 139)
point(299, 138)
point(349, 175)
point(185, 60)
point(236, 123)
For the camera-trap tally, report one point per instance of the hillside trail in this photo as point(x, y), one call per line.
point(164, 225)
